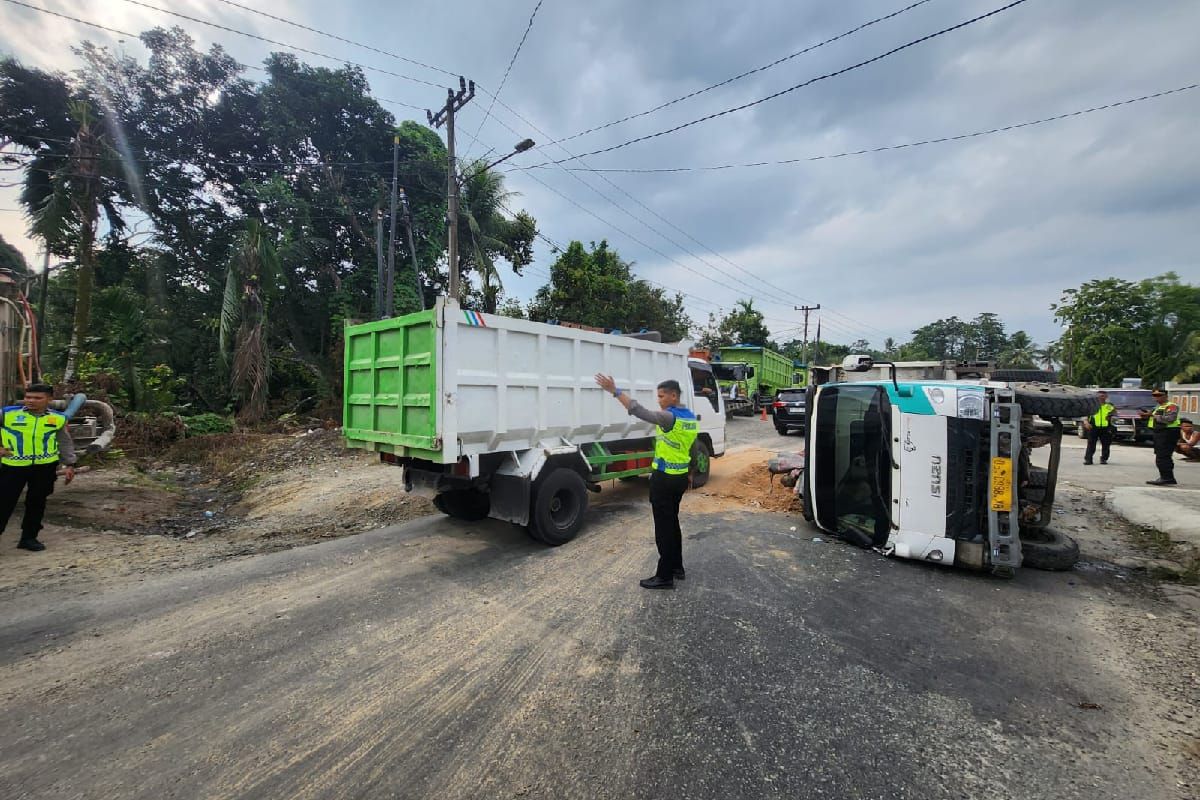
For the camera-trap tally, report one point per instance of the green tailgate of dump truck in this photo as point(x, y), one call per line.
point(390, 395)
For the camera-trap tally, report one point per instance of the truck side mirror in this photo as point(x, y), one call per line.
point(857, 363)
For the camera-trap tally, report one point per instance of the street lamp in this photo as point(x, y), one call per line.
point(519, 147)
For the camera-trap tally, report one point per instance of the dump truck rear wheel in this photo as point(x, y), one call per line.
point(469, 505)
point(559, 503)
point(1048, 549)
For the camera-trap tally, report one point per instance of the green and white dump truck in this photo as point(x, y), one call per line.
point(500, 417)
point(940, 470)
point(750, 376)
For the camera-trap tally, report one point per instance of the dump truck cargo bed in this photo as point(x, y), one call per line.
point(446, 383)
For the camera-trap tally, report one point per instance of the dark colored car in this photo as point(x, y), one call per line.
point(790, 410)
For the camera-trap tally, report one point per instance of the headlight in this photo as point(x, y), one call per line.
point(970, 405)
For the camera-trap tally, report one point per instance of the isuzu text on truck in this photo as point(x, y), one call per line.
point(940, 470)
point(500, 417)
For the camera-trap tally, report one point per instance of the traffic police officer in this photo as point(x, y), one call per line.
point(33, 441)
point(676, 432)
point(1164, 422)
point(1099, 426)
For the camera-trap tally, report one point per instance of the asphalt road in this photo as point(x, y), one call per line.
point(446, 660)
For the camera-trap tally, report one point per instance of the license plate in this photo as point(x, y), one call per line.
point(1002, 484)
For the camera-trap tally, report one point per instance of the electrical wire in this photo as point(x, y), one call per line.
point(127, 34)
point(297, 48)
point(790, 89)
point(905, 145)
point(335, 37)
point(739, 76)
point(507, 70)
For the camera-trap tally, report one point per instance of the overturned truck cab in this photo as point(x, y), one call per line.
point(940, 470)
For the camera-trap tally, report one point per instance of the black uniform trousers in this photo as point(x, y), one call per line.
point(1104, 436)
point(1164, 448)
point(39, 478)
point(666, 492)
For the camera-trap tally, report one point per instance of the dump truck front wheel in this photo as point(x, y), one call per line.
point(1048, 549)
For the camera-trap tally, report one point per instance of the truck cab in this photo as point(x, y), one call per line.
point(938, 471)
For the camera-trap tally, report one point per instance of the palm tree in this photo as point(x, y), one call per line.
point(64, 193)
point(486, 232)
point(252, 274)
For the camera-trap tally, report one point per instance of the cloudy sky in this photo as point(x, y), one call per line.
point(884, 242)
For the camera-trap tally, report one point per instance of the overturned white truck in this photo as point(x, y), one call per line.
point(940, 470)
point(500, 417)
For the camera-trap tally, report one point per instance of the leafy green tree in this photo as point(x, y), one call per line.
point(743, 325)
point(1118, 329)
point(11, 258)
point(597, 287)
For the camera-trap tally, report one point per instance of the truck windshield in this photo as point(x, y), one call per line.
point(852, 464)
point(1136, 398)
point(729, 372)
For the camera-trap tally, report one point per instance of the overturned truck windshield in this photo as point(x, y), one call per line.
point(853, 470)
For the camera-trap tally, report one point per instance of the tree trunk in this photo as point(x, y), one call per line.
point(85, 279)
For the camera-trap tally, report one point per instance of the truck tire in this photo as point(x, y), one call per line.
point(1048, 549)
point(754, 405)
point(558, 506)
point(1038, 477)
point(1026, 375)
point(1051, 400)
point(701, 462)
point(469, 505)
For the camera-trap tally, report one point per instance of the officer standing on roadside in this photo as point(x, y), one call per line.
point(1099, 426)
point(676, 430)
point(1164, 422)
point(33, 440)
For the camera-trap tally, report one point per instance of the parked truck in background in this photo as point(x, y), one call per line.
point(940, 470)
point(750, 376)
point(500, 417)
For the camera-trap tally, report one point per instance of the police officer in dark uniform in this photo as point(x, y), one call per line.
point(33, 441)
point(1099, 428)
point(1164, 422)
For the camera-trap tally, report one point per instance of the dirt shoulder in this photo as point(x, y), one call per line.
point(210, 499)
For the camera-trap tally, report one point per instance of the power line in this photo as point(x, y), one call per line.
point(297, 48)
point(507, 70)
point(335, 37)
point(127, 34)
point(920, 143)
point(745, 74)
point(782, 92)
point(664, 236)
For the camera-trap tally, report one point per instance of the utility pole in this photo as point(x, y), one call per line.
point(806, 310)
point(412, 250)
point(389, 298)
point(44, 292)
point(454, 103)
point(380, 273)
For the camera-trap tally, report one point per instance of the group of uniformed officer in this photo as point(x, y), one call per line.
point(1163, 421)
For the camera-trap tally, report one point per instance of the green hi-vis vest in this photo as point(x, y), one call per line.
point(1100, 418)
point(1164, 407)
point(673, 448)
point(30, 439)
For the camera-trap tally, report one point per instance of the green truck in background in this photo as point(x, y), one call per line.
point(749, 376)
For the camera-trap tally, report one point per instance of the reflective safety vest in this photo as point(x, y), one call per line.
point(1100, 418)
point(30, 439)
point(673, 448)
point(1165, 407)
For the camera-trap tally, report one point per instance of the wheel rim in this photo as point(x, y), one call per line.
point(702, 461)
point(564, 508)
